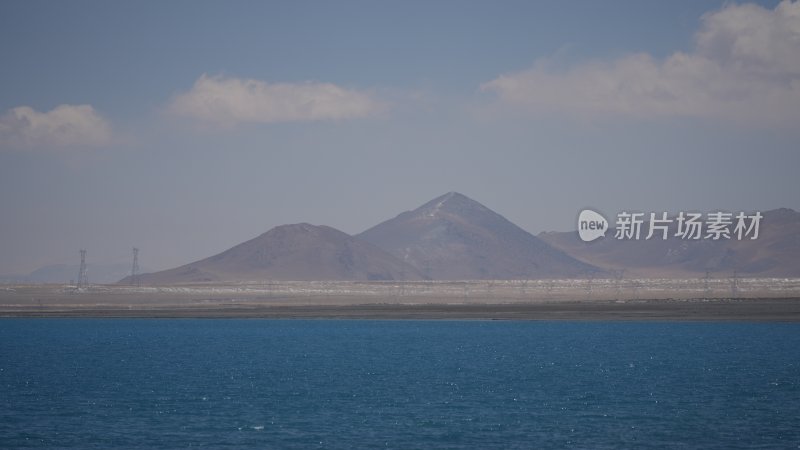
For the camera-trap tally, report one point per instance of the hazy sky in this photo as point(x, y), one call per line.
point(184, 128)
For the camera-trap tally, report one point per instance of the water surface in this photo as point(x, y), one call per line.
point(150, 383)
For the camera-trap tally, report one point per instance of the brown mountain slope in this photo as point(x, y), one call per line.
point(292, 252)
point(776, 252)
point(453, 237)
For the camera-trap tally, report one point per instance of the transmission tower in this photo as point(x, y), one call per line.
point(618, 276)
point(589, 285)
point(135, 268)
point(83, 280)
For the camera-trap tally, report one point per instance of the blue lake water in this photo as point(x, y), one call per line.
point(75, 383)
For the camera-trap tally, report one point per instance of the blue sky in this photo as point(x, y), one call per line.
point(184, 128)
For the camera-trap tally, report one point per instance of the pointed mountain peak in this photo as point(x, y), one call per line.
point(451, 202)
point(453, 237)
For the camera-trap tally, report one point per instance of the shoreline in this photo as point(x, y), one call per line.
point(653, 300)
point(745, 310)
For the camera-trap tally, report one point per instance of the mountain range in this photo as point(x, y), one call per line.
point(453, 237)
point(291, 252)
point(775, 253)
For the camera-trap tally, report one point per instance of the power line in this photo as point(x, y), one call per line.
point(83, 279)
point(135, 268)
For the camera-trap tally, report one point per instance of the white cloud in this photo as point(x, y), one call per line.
point(745, 66)
point(63, 126)
point(228, 101)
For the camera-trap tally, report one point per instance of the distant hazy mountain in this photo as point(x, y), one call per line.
point(63, 273)
point(453, 237)
point(456, 238)
point(292, 252)
point(776, 252)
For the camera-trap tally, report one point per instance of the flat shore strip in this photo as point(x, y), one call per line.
point(774, 300)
